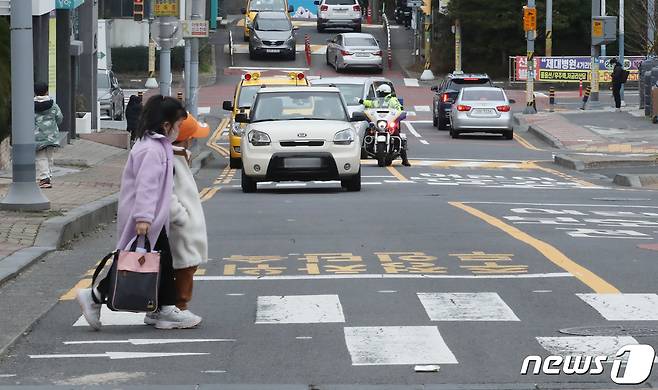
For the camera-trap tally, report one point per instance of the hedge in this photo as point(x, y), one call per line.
point(135, 59)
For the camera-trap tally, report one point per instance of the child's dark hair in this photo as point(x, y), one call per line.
point(158, 110)
point(40, 88)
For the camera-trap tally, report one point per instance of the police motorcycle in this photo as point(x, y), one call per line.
point(383, 140)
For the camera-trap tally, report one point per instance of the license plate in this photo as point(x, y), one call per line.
point(341, 10)
point(309, 162)
point(272, 50)
point(484, 112)
point(362, 55)
point(381, 138)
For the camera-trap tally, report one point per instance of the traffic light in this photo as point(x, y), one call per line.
point(138, 10)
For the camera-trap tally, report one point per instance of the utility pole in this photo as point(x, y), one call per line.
point(651, 26)
point(23, 193)
point(192, 100)
point(603, 47)
point(530, 27)
point(621, 44)
point(458, 46)
point(549, 28)
point(595, 52)
point(167, 27)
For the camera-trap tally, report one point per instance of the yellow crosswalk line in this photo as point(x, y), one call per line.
point(70, 295)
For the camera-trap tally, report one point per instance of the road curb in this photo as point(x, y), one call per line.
point(569, 162)
point(579, 164)
point(635, 180)
point(55, 232)
point(547, 138)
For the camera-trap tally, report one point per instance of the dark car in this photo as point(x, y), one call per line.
point(446, 93)
point(402, 13)
point(272, 33)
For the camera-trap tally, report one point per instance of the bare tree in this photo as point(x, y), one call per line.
point(638, 24)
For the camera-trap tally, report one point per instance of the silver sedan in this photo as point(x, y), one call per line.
point(482, 110)
point(354, 50)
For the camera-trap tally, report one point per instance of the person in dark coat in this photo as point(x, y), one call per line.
point(617, 82)
point(133, 112)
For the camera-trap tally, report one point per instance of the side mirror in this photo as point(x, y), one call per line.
point(290, 9)
point(227, 105)
point(512, 101)
point(242, 118)
point(435, 88)
point(358, 116)
point(243, 11)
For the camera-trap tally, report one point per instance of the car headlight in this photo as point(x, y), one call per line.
point(382, 125)
point(290, 38)
point(344, 137)
point(237, 130)
point(258, 138)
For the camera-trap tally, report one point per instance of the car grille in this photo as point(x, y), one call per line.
point(273, 43)
point(288, 144)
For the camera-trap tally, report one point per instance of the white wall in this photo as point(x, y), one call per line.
point(128, 33)
point(39, 7)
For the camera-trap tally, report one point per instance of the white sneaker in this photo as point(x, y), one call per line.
point(90, 309)
point(171, 317)
point(151, 318)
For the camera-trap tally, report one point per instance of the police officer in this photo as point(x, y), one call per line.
point(390, 101)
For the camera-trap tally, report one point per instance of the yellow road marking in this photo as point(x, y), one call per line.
point(209, 194)
point(70, 295)
point(524, 142)
point(562, 175)
point(397, 174)
point(203, 192)
point(215, 136)
point(200, 272)
point(593, 281)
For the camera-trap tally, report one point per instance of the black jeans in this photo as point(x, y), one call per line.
point(167, 292)
point(616, 93)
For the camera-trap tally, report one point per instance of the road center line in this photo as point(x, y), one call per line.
point(211, 278)
point(593, 281)
point(397, 174)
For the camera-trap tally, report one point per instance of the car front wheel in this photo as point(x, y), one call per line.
point(249, 185)
point(352, 183)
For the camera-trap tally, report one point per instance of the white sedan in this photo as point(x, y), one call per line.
point(300, 134)
point(482, 110)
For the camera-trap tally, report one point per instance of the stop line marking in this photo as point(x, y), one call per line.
point(411, 82)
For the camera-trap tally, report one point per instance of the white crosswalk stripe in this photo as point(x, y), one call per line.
point(411, 82)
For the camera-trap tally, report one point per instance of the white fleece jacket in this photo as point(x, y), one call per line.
point(187, 232)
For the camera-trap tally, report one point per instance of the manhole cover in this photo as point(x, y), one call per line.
point(612, 330)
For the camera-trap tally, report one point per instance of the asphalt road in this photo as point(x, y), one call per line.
point(479, 255)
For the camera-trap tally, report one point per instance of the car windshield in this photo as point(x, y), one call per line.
point(103, 81)
point(273, 24)
point(298, 106)
point(482, 95)
point(360, 41)
point(268, 5)
point(247, 94)
point(351, 93)
point(458, 84)
point(339, 2)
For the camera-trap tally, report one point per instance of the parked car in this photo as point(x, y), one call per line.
point(354, 50)
point(300, 133)
point(110, 95)
point(338, 13)
point(482, 110)
point(402, 13)
point(447, 91)
point(272, 33)
point(256, 6)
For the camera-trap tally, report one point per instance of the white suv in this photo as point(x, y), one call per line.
point(300, 133)
point(338, 13)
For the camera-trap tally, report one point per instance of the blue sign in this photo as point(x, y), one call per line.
point(68, 4)
point(303, 9)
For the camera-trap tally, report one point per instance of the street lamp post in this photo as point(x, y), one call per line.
point(531, 19)
point(24, 194)
point(621, 44)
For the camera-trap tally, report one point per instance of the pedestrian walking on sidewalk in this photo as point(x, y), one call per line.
point(618, 80)
point(144, 208)
point(187, 234)
point(133, 111)
point(47, 117)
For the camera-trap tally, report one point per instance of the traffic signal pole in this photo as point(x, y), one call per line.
point(549, 28)
point(595, 53)
point(530, 26)
point(23, 193)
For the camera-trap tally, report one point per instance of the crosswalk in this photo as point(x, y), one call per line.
point(414, 341)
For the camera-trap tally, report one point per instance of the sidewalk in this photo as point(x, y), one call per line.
point(85, 189)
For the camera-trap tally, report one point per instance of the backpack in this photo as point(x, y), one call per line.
point(624, 76)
